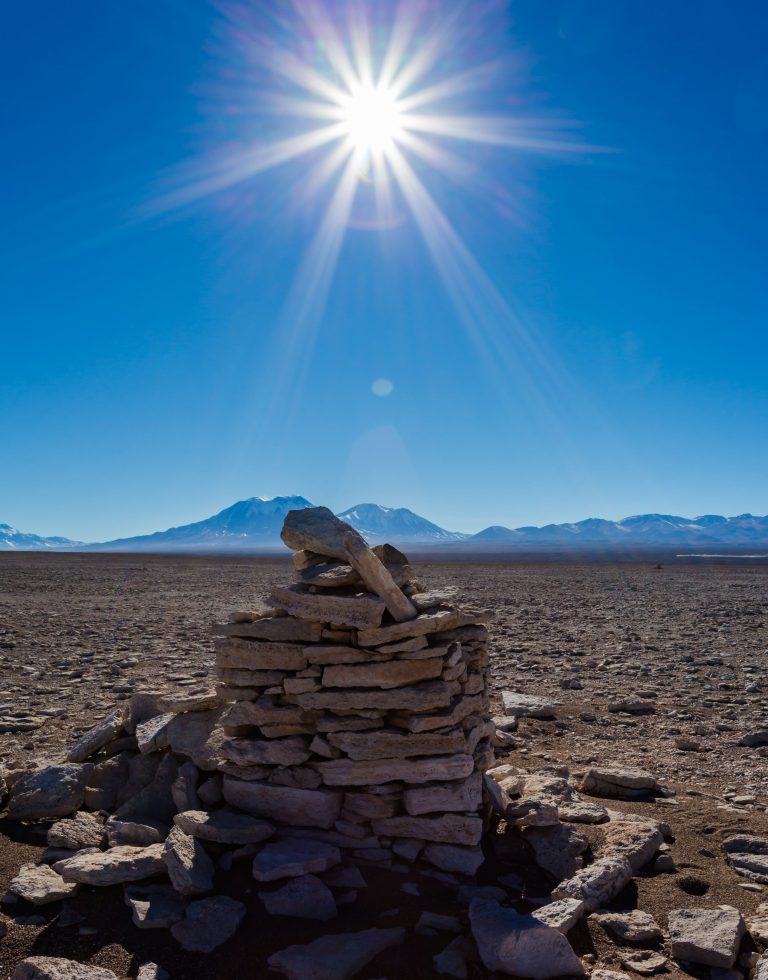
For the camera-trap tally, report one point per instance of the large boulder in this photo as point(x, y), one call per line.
point(54, 791)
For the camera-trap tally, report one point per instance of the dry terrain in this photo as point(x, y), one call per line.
point(686, 641)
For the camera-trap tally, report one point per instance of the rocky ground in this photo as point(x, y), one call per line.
point(661, 668)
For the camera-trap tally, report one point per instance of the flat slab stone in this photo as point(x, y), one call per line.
point(198, 734)
point(451, 828)
point(620, 783)
point(155, 906)
point(456, 860)
point(597, 884)
point(635, 926)
point(363, 612)
point(362, 746)
point(293, 857)
point(258, 655)
point(442, 797)
point(284, 804)
point(337, 957)
point(425, 623)
point(40, 885)
point(708, 936)
point(209, 923)
point(637, 840)
point(579, 811)
point(56, 968)
point(292, 751)
point(114, 866)
point(345, 772)
point(528, 705)
point(263, 712)
point(189, 867)
point(561, 915)
point(421, 697)
point(224, 826)
point(305, 897)
point(90, 743)
point(386, 675)
point(54, 791)
point(519, 944)
point(279, 629)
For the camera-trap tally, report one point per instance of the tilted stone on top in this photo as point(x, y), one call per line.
point(318, 529)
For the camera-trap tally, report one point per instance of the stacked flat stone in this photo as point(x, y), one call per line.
point(359, 714)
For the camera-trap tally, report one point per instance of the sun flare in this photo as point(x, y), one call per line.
point(372, 118)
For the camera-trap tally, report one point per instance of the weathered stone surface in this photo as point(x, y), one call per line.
point(56, 968)
point(81, 830)
point(758, 923)
point(241, 677)
point(459, 860)
point(637, 840)
point(519, 944)
point(266, 752)
point(579, 811)
point(55, 791)
point(458, 710)
point(198, 734)
point(97, 737)
point(386, 675)
point(151, 971)
point(345, 772)
point(113, 867)
point(635, 926)
point(621, 783)
point(283, 804)
point(141, 706)
point(293, 857)
point(321, 526)
point(305, 897)
point(562, 915)
point(155, 905)
point(557, 850)
point(134, 833)
point(362, 611)
point(761, 968)
point(745, 844)
point(421, 697)
point(451, 828)
point(598, 884)
point(708, 936)
point(395, 745)
point(224, 826)
point(441, 797)
point(528, 705)
point(154, 802)
point(337, 957)
point(209, 923)
point(263, 712)
point(189, 867)
point(422, 625)
point(40, 885)
point(152, 734)
point(257, 655)
point(282, 629)
point(184, 788)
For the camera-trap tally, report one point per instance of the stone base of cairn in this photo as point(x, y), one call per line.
point(349, 725)
point(361, 714)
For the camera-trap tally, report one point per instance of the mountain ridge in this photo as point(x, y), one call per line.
point(254, 524)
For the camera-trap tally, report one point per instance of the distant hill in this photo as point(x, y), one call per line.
point(13, 540)
point(254, 525)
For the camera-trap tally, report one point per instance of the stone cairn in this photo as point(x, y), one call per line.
point(361, 715)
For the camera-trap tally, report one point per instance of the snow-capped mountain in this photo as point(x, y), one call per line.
point(377, 524)
point(252, 523)
point(12, 539)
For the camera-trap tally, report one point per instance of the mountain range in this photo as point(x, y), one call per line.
point(254, 525)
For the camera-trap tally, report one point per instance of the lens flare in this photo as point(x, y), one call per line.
point(372, 119)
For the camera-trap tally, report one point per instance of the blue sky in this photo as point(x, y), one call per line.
point(155, 368)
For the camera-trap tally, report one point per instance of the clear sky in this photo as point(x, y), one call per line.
point(586, 337)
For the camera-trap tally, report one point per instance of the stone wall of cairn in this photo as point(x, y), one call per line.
point(359, 712)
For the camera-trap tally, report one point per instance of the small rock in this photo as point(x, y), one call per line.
point(155, 905)
point(526, 705)
point(561, 915)
point(40, 885)
point(81, 830)
point(306, 897)
point(293, 857)
point(209, 923)
point(151, 971)
point(631, 927)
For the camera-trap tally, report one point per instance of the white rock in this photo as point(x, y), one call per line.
point(708, 936)
point(40, 885)
point(598, 884)
point(519, 944)
point(56, 968)
point(635, 926)
point(561, 915)
point(112, 867)
point(528, 705)
point(81, 830)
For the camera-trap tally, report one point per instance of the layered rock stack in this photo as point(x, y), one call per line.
point(360, 714)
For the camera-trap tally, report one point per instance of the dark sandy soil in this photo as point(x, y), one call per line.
point(78, 633)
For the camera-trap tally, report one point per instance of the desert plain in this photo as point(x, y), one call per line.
point(657, 665)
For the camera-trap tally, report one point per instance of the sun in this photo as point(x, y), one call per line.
point(372, 119)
